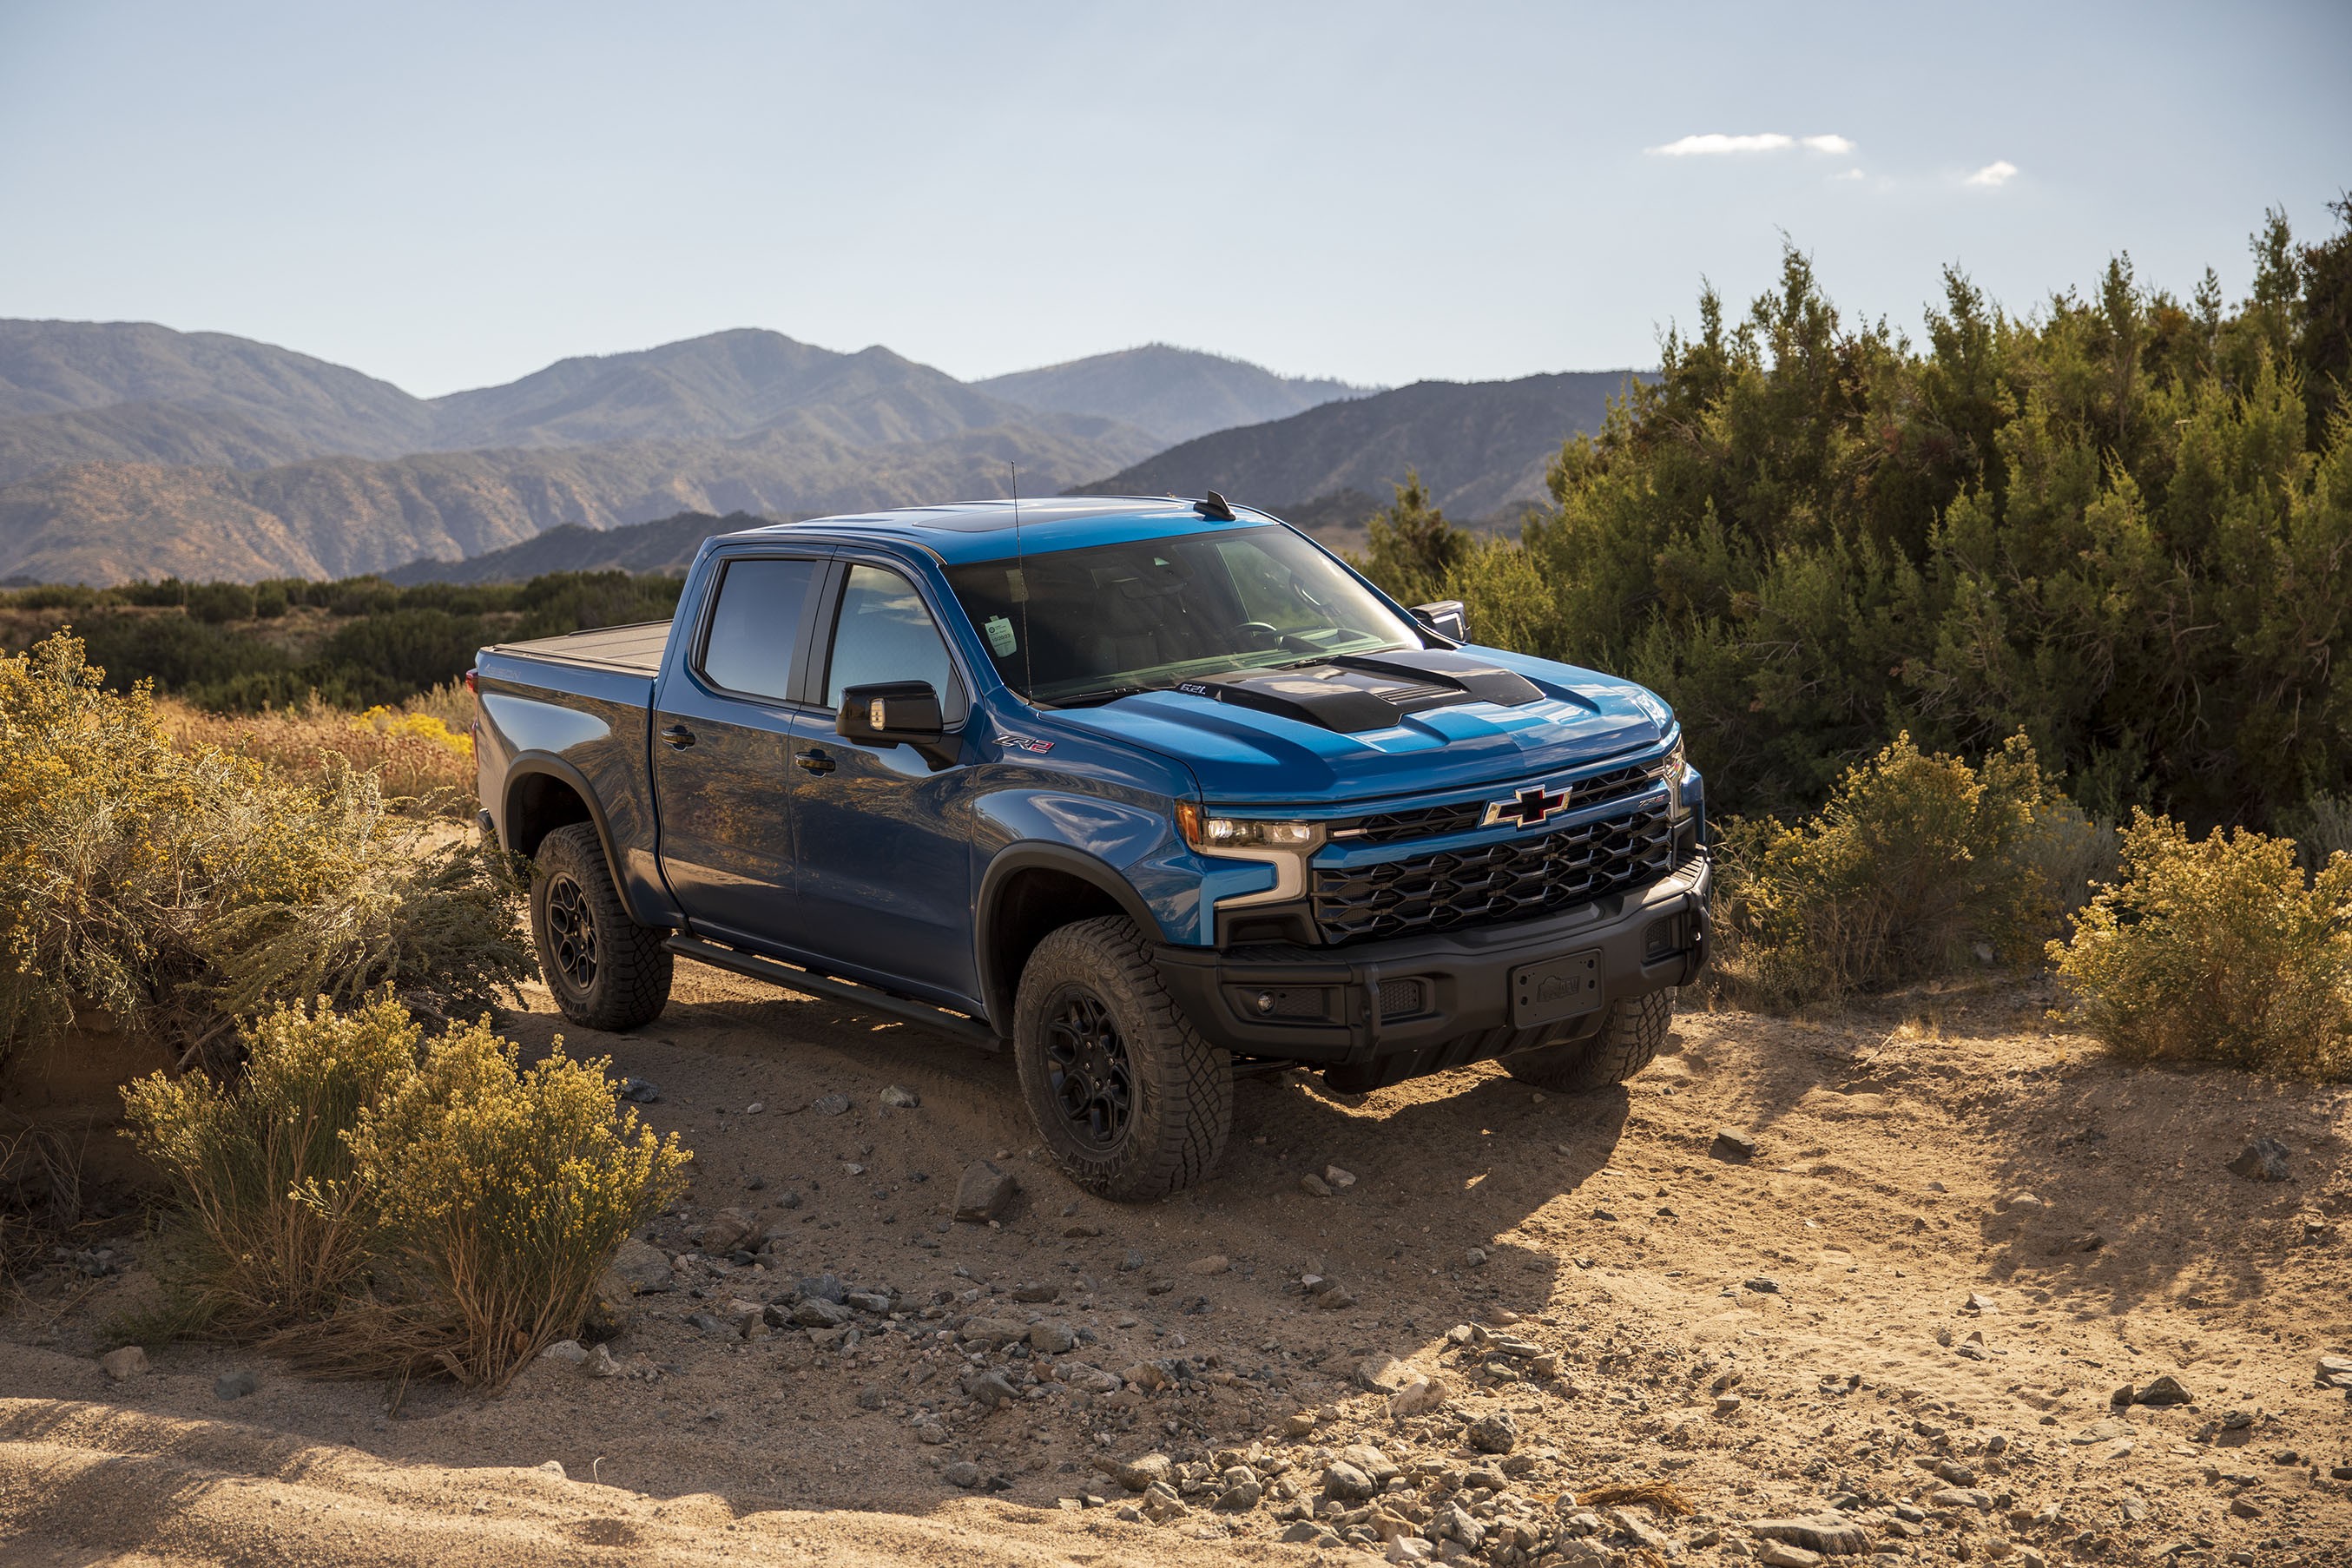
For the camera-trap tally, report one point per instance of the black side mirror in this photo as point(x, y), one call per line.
point(1446, 618)
point(895, 714)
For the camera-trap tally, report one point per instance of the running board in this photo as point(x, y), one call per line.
point(795, 978)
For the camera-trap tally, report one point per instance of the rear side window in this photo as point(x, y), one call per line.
point(886, 633)
point(755, 627)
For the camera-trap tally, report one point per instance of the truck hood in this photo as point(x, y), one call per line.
point(1257, 750)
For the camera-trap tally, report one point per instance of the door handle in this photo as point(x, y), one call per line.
point(817, 761)
point(677, 737)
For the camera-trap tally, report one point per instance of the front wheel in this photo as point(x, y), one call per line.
point(1628, 1039)
point(605, 971)
point(1132, 1101)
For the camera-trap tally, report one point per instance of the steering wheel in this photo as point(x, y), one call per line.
point(1264, 635)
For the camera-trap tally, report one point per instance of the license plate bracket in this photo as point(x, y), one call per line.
point(1555, 989)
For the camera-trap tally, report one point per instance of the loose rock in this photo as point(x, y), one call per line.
point(1494, 1434)
point(1730, 1143)
point(1137, 1475)
point(898, 1097)
point(641, 1267)
point(963, 1473)
point(637, 1091)
point(1215, 1263)
point(1315, 1186)
point(237, 1384)
point(1053, 1338)
point(983, 1191)
point(127, 1362)
point(832, 1104)
point(2263, 1160)
point(2165, 1390)
point(1338, 1180)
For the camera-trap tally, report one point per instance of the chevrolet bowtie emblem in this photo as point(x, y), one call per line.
point(1527, 807)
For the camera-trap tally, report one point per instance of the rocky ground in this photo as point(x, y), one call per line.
point(1924, 1282)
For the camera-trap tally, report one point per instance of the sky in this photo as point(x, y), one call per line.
point(454, 195)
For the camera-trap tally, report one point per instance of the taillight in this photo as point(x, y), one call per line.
point(474, 681)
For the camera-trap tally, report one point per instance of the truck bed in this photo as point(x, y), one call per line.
point(627, 650)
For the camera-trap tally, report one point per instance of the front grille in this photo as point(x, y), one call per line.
point(1436, 821)
point(1510, 881)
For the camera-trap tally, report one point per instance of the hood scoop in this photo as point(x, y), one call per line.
point(1349, 695)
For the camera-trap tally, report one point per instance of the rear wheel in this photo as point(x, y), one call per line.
point(605, 971)
point(1132, 1101)
point(1628, 1039)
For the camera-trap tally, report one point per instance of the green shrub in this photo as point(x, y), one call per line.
point(1916, 860)
point(183, 888)
point(261, 1170)
point(2216, 950)
point(367, 1202)
point(504, 1192)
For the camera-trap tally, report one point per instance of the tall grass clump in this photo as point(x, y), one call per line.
point(1917, 859)
point(367, 1200)
point(183, 888)
point(2217, 950)
point(278, 1223)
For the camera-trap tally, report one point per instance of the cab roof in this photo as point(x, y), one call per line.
point(963, 532)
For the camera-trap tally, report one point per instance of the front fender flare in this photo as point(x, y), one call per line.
point(1010, 862)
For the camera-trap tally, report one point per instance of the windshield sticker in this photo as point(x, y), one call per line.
point(1000, 637)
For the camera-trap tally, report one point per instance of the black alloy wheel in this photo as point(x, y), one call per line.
point(571, 933)
point(1086, 1063)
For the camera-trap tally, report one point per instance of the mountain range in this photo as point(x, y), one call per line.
point(132, 450)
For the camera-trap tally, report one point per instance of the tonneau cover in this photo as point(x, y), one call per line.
point(634, 650)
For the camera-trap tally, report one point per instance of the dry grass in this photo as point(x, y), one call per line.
point(421, 753)
point(1660, 1498)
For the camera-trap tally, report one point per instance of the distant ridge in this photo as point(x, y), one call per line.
point(1176, 394)
point(666, 545)
point(1481, 447)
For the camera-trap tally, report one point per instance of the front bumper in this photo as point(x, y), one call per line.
point(1473, 993)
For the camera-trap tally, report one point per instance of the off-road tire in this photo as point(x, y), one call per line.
point(627, 982)
point(1180, 1103)
point(1631, 1036)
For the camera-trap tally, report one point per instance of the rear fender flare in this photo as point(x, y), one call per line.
point(546, 764)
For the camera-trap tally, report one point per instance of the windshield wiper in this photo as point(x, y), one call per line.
point(1103, 694)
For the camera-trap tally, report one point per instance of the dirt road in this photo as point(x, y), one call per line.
point(1898, 1327)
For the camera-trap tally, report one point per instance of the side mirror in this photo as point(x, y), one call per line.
point(895, 714)
point(1446, 618)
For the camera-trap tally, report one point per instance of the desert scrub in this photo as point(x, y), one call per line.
point(500, 1193)
point(2216, 950)
point(1916, 860)
point(277, 1225)
point(183, 888)
point(367, 1200)
point(420, 754)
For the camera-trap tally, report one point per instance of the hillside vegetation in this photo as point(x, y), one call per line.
point(356, 643)
point(2120, 525)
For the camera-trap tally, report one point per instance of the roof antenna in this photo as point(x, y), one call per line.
point(1217, 508)
point(1021, 577)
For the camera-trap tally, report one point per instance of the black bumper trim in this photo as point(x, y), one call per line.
point(1467, 970)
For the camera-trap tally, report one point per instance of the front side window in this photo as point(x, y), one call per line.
point(755, 626)
point(885, 632)
point(1087, 625)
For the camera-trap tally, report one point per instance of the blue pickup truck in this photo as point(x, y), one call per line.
point(1159, 791)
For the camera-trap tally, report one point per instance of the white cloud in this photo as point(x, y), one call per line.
point(2000, 172)
point(1849, 174)
point(1715, 142)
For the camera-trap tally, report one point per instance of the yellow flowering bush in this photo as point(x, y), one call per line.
point(505, 1190)
point(425, 727)
point(370, 1202)
point(1915, 859)
point(184, 888)
point(262, 1170)
point(2217, 950)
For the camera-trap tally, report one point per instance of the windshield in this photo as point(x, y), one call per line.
point(1079, 626)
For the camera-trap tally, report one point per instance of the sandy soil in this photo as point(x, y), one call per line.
point(1768, 1337)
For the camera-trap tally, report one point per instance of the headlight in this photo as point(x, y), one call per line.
point(1670, 769)
point(1285, 845)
